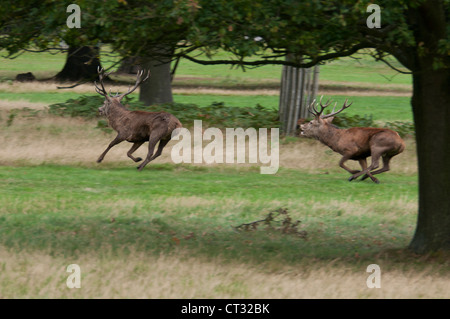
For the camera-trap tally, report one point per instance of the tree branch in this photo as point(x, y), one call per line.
point(313, 61)
point(393, 67)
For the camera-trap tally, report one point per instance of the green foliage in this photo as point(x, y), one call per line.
point(347, 121)
point(85, 106)
point(263, 30)
point(403, 128)
point(217, 114)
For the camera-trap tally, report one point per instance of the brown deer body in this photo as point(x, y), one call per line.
point(355, 143)
point(136, 127)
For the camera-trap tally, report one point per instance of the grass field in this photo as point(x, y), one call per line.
point(170, 230)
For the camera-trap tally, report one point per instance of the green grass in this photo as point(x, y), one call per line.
point(40, 97)
point(70, 209)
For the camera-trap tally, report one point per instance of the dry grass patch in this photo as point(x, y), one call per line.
point(50, 139)
point(48, 86)
point(6, 105)
point(139, 275)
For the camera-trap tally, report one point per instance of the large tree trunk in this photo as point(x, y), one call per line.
point(431, 109)
point(81, 64)
point(158, 88)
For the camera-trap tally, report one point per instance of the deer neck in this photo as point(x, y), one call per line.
point(116, 115)
point(330, 137)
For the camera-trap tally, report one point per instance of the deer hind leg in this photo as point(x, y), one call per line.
point(385, 167)
point(151, 147)
point(115, 141)
point(155, 137)
point(162, 144)
point(133, 148)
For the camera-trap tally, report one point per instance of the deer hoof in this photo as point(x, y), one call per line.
point(138, 159)
point(351, 178)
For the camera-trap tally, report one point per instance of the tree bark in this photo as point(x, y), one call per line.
point(158, 88)
point(81, 64)
point(430, 103)
point(298, 89)
point(129, 66)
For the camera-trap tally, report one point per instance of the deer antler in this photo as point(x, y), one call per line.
point(318, 113)
point(139, 80)
point(101, 76)
point(312, 109)
point(333, 113)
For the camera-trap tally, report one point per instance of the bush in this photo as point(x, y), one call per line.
point(347, 121)
point(216, 114)
point(84, 106)
point(402, 128)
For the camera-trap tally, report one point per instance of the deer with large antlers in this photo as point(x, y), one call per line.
point(356, 143)
point(136, 127)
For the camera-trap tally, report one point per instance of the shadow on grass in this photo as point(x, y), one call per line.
point(72, 235)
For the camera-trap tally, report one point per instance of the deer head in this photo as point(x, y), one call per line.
point(116, 99)
point(319, 124)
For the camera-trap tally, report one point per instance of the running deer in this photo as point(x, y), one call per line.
point(356, 143)
point(136, 127)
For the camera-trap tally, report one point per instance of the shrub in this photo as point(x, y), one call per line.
point(216, 114)
point(347, 121)
point(402, 128)
point(84, 106)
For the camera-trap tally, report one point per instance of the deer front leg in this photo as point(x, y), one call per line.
point(373, 165)
point(133, 149)
point(115, 141)
point(341, 164)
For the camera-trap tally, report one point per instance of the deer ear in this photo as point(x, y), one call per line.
point(329, 120)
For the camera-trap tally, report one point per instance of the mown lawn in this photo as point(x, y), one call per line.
point(73, 209)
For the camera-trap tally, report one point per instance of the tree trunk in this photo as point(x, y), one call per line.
point(158, 88)
point(298, 89)
point(81, 64)
point(431, 110)
point(430, 102)
point(129, 66)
